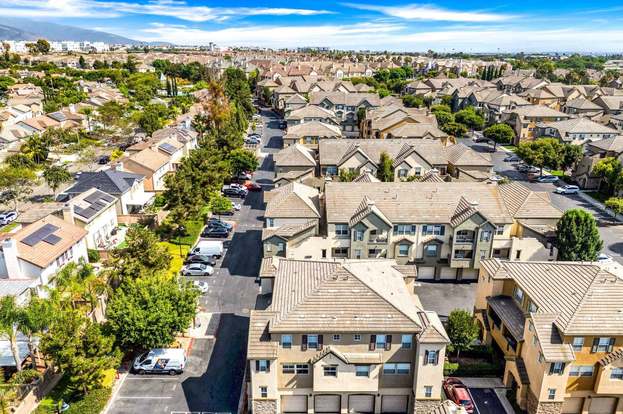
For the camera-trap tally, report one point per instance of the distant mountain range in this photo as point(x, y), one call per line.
point(24, 29)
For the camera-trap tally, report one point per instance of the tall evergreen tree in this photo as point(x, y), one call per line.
point(577, 237)
point(385, 172)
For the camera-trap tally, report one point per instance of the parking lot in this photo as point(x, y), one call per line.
point(486, 401)
point(214, 374)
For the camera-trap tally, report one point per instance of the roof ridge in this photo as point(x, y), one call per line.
point(588, 292)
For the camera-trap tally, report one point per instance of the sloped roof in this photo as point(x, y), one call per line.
point(550, 341)
point(310, 111)
point(259, 343)
point(287, 231)
point(366, 177)
point(293, 200)
point(314, 129)
point(367, 207)
point(525, 203)
point(109, 181)
point(461, 155)
point(609, 144)
point(294, 156)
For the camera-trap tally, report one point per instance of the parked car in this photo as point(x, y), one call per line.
point(103, 160)
point(219, 232)
point(252, 141)
point(512, 158)
point(547, 179)
point(7, 216)
point(496, 178)
point(197, 269)
point(235, 192)
point(211, 248)
point(604, 258)
point(283, 125)
point(457, 392)
point(567, 189)
point(229, 212)
point(200, 258)
point(6, 195)
point(211, 220)
point(216, 225)
point(236, 206)
point(525, 168)
point(244, 176)
point(253, 186)
point(161, 360)
point(201, 286)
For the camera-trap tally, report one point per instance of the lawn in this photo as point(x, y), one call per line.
point(601, 197)
point(557, 173)
point(93, 403)
point(510, 147)
point(176, 261)
point(193, 229)
point(8, 227)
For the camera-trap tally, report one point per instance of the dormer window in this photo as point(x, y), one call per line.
point(518, 294)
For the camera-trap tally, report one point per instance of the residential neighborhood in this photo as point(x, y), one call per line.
point(264, 230)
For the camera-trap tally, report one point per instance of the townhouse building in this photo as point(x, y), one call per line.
point(524, 120)
point(95, 212)
point(311, 134)
point(347, 336)
point(560, 329)
point(346, 107)
point(310, 113)
point(594, 152)
point(153, 164)
point(396, 121)
point(444, 229)
point(575, 131)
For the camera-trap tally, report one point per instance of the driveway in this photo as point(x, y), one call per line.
point(612, 235)
point(486, 401)
point(214, 376)
point(443, 298)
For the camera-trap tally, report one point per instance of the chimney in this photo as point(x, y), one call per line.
point(9, 250)
point(68, 213)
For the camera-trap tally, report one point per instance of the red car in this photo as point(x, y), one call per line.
point(251, 186)
point(457, 392)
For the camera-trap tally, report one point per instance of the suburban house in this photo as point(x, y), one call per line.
point(559, 327)
point(127, 188)
point(594, 152)
point(294, 102)
point(524, 120)
point(310, 134)
point(444, 229)
point(346, 107)
point(390, 121)
point(348, 336)
point(293, 161)
point(575, 131)
point(94, 211)
point(583, 107)
point(38, 251)
point(154, 165)
point(310, 113)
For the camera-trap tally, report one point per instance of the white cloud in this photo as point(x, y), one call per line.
point(429, 12)
point(169, 8)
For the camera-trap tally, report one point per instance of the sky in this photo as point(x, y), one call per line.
point(443, 25)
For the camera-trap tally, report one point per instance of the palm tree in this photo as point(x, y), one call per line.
point(36, 317)
point(87, 111)
point(10, 318)
point(77, 285)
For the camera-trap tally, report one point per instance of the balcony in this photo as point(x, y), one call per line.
point(377, 239)
point(464, 240)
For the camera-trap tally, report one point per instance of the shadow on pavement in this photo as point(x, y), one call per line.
point(218, 388)
point(239, 260)
point(267, 163)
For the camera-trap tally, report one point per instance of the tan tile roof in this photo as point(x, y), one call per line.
point(550, 341)
point(609, 144)
point(150, 159)
point(431, 176)
point(43, 253)
point(586, 297)
point(294, 156)
point(344, 98)
point(524, 203)
point(611, 357)
point(414, 202)
point(268, 268)
point(287, 231)
point(314, 129)
point(293, 200)
point(461, 155)
point(311, 111)
point(366, 177)
point(539, 111)
point(446, 407)
point(352, 296)
point(348, 357)
point(417, 130)
point(260, 345)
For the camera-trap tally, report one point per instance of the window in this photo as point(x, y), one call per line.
point(362, 370)
point(403, 368)
point(551, 393)
point(581, 371)
point(331, 171)
point(374, 252)
point(286, 341)
point(602, 345)
point(431, 357)
point(518, 294)
point(557, 368)
point(380, 341)
point(483, 254)
point(518, 255)
point(464, 236)
point(404, 229)
point(402, 172)
point(357, 338)
point(389, 368)
point(341, 230)
point(406, 342)
point(330, 371)
point(270, 222)
point(418, 171)
point(312, 341)
point(499, 230)
point(532, 307)
point(463, 254)
point(337, 338)
point(302, 369)
point(403, 250)
point(437, 230)
point(288, 368)
point(262, 365)
point(616, 373)
point(431, 250)
point(358, 235)
point(485, 235)
point(357, 253)
point(428, 391)
point(340, 252)
point(535, 340)
point(578, 343)
point(264, 392)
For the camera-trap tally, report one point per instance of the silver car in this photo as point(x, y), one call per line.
point(197, 269)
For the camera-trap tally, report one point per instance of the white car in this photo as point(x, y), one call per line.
point(236, 206)
point(547, 179)
point(604, 258)
point(201, 286)
point(197, 269)
point(567, 189)
point(7, 216)
point(496, 178)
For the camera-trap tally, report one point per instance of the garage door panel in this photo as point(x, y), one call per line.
point(394, 404)
point(327, 403)
point(361, 403)
point(470, 274)
point(602, 406)
point(573, 405)
point(425, 272)
point(294, 403)
point(447, 273)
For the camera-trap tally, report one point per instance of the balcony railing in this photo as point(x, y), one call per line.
point(378, 239)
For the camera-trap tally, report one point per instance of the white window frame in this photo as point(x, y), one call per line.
point(380, 344)
point(581, 371)
point(283, 342)
point(518, 294)
point(428, 391)
point(263, 391)
point(400, 250)
point(315, 342)
point(263, 365)
point(357, 337)
point(337, 337)
point(302, 369)
point(403, 368)
point(432, 356)
point(329, 371)
point(603, 348)
point(406, 341)
point(578, 343)
point(362, 370)
point(341, 230)
point(389, 368)
point(551, 393)
point(616, 374)
point(288, 368)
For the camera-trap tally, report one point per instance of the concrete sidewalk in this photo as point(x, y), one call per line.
point(600, 206)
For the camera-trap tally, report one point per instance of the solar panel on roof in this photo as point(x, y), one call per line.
point(168, 148)
point(52, 239)
point(86, 212)
point(38, 235)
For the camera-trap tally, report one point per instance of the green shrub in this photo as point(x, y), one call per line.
point(475, 369)
point(92, 403)
point(93, 255)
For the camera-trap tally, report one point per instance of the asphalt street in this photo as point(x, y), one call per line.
point(214, 375)
point(612, 235)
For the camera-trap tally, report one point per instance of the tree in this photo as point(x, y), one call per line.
point(148, 311)
point(385, 172)
point(10, 318)
point(220, 204)
point(37, 148)
point(412, 101)
point(242, 160)
point(87, 111)
point(79, 347)
point(499, 134)
point(347, 175)
point(577, 237)
point(462, 330)
point(82, 63)
point(455, 129)
point(141, 255)
point(78, 286)
point(110, 113)
point(18, 182)
point(615, 204)
point(443, 118)
point(55, 175)
point(545, 152)
point(151, 118)
point(611, 170)
point(469, 118)
point(87, 157)
point(35, 319)
point(572, 154)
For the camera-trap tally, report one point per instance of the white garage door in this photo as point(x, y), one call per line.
point(602, 406)
point(327, 403)
point(361, 403)
point(294, 403)
point(447, 273)
point(394, 403)
point(573, 405)
point(425, 272)
point(470, 274)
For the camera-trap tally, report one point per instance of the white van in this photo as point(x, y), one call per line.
point(161, 360)
point(212, 248)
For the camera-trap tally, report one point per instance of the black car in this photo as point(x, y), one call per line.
point(225, 212)
point(200, 258)
point(103, 160)
point(215, 232)
point(283, 125)
point(214, 220)
point(235, 192)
